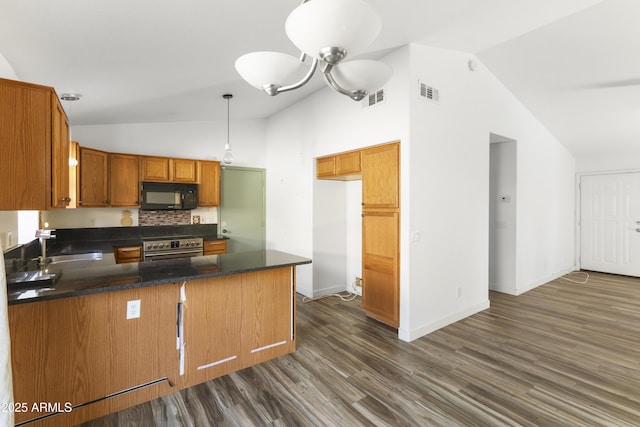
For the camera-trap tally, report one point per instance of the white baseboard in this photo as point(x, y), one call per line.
point(539, 282)
point(328, 290)
point(415, 333)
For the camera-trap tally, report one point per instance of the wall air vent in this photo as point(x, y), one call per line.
point(374, 98)
point(429, 92)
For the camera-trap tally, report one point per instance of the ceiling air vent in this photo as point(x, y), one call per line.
point(429, 92)
point(374, 98)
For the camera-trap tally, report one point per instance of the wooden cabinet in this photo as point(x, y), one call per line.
point(126, 254)
point(233, 322)
point(92, 178)
point(124, 180)
point(155, 168)
point(380, 266)
point(84, 348)
point(34, 132)
point(184, 170)
point(344, 166)
point(379, 169)
point(208, 183)
point(162, 169)
point(60, 152)
point(381, 177)
point(213, 247)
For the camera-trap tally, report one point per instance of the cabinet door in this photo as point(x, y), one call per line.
point(268, 314)
point(60, 150)
point(24, 118)
point(124, 180)
point(381, 176)
point(209, 183)
point(348, 163)
point(213, 247)
point(93, 181)
point(380, 266)
point(183, 170)
point(212, 328)
point(326, 167)
point(155, 168)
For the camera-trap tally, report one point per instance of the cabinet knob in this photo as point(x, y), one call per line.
point(66, 199)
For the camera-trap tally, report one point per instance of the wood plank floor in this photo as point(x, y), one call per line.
point(563, 354)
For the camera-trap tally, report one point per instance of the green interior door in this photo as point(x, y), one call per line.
point(242, 208)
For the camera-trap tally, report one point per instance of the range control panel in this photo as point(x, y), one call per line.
point(173, 244)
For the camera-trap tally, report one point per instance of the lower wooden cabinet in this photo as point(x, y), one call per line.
point(237, 321)
point(77, 351)
point(380, 266)
point(125, 254)
point(213, 247)
point(84, 348)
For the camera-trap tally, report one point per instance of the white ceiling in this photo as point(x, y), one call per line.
point(574, 63)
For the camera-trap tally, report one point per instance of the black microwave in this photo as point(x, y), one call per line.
point(168, 195)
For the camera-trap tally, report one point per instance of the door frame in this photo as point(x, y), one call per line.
point(578, 204)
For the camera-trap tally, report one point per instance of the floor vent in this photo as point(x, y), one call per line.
point(429, 92)
point(374, 98)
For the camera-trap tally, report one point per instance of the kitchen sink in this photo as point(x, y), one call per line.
point(31, 279)
point(91, 256)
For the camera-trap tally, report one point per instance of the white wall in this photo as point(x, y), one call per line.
point(601, 162)
point(322, 124)
point(194, 140)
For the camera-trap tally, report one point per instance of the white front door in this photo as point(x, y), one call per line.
point(610, 223)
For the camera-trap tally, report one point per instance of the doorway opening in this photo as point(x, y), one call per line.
point(502, 214)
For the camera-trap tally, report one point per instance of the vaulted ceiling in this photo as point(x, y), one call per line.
point(573, 63)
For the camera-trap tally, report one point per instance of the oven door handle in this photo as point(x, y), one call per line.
point(174, 254)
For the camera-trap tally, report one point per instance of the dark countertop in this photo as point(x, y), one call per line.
point(89, 277)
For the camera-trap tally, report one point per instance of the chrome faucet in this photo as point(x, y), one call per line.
point(44, 235)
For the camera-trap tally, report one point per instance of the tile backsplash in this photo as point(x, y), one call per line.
point(163, 217)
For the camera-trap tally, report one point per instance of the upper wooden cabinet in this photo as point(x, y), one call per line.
point(208, 183)
point(34, 141)
point(93, 184)
point(161, 169)
point(60, 151)
point(124, 180)
point(345, 166)
point(381, 177)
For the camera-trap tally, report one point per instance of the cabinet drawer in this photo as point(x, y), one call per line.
point(124, 254)
point(212, 247)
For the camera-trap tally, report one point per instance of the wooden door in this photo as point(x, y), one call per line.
point(208, 183)
point(381, 176)
point(124, 180)
point(60, 151)
point(93, 182)
point(380, 266)
point(610, 223)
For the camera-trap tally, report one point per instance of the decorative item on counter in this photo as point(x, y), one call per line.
point(195, 219)
point(126, 218)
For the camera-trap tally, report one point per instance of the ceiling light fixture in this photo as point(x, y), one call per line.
point(327, 31)
point(228, 157)
point(71, 96)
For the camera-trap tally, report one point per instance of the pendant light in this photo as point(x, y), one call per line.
point(228, 157)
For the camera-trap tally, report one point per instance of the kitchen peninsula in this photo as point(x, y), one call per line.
point(105, 336)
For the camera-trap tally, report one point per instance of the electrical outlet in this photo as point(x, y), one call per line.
point(359, 281)
point(133, 309)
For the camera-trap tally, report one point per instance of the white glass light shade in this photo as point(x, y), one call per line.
point(260, 68)
point(364, 74)
point(348, 24)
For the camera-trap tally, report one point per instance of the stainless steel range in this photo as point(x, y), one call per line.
point(158, 248)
